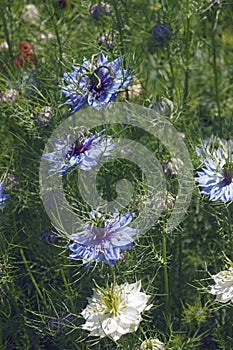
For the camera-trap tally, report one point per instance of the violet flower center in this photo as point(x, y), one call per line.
point(100, 79)
point(95, 82)
point(77, 148)
point(228, 173)
point(100, 234)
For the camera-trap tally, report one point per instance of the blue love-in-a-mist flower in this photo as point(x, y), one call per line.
point(216, 176)
point(95, 84)
point(84, 153)
point(50, 236)
point(103, 239)
point(3, 196)
point(162, 32)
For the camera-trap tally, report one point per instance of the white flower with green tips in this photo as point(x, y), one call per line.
point(115, 311)
point(223, 288)
point(152, 344)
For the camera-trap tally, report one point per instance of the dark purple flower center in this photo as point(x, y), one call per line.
point(95, 81)
point(77, 148)
point(228, 173)
point(100, 80)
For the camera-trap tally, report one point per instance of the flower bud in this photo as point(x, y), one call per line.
point(152, 344)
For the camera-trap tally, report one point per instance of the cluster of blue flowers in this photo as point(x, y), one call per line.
point(94, 84)
point(97, 83)
point(102, 239)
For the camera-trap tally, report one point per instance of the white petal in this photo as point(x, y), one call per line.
point(130, 315)
point(109, 326)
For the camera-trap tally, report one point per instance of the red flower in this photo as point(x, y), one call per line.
point(18, 62)
point(26, 55)
point(25, 47)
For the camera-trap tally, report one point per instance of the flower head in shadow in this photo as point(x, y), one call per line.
point(50, 236)
point(162, 32)
point(3, 196)
point(59, 324)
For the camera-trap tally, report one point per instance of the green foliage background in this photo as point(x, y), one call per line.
point(41, 291)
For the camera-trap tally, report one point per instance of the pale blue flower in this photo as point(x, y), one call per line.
point(216, 176)
point(84, 153)
point(95, 84)
point(104, 242)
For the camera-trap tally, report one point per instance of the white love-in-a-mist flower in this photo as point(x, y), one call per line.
point(115, 311)
point(223, 288)
point(152, 344)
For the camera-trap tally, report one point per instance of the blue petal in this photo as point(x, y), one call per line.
point(102, 60)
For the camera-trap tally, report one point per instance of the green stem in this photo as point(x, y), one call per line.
point(187, 58)
point(5, 29)
point(216, 80)
point(53, 17)
point(113, 273)
point(30, 274)
point(213, 18)
point(69, 290)
point(179, 271)
point(166, 279)
point(172, 74)
point(119, 26)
